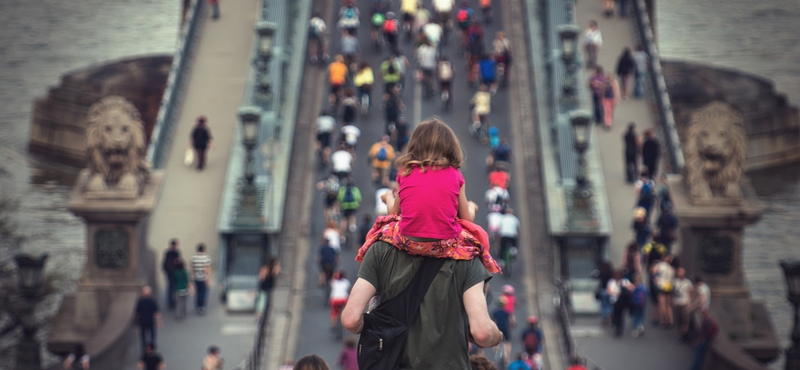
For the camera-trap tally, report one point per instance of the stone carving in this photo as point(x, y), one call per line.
point(715, 154)
point(116, 144)
point(715, 254)
point(111, 249)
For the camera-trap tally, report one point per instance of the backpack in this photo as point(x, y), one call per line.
point(445, 71)
point(332, 187)
point(462, 16)
point(530, 341)
point(646, 192)
point(378, 19)
point(349, 13)
point(639, 296)
point(348, 195)
point(390, 26)
point(385, 331)
point(382, 155)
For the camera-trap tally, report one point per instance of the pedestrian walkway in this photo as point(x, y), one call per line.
point(190, 199)
point(659, 348)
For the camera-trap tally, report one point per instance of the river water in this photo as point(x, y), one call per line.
point(43, 39)
point(759, 37)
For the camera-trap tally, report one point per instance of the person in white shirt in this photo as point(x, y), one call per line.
point(340, 292)
point(342, 162)
point(682, 297)
point(325, 125)
point(350, 134)
point(433, 33)
point(509, 230)
point(592, 41)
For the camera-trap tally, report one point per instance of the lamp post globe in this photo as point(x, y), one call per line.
point(250, 118)
point(266, 38)
point(30, 273)
point(568, 35)
point(581, 128)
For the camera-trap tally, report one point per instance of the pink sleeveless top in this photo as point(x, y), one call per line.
point(429, 203)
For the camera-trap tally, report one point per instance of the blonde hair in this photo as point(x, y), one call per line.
point(432, 144)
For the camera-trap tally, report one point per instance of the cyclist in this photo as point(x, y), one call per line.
point(340, 292)
point(325, 125)
point(504, 322)
point(327, 259)
point(349, 47)
point(497, 198)
point(443, 8)
point(349, 108)
point(421, 17)
point(350, 134)
point(433, 33)
point(392, 109)
point(445, 73)
point(464, 16)
point(390, 29)
point(316, 39)
point(473, 43)
point(499, 176)
point(481, 104)
point(363, 80)
point(349, 200)
point(493, 219)
point(501, 48)
point(503, 152)
point(349, 17)
point(390, 71)
point(381, 155)
point(426, 64)
point(330, 190)
point(337, 76)
point(488, 71)
point(408, 9)
point(341, 162)
point(486, 7)
point(509, 230)
point(378, 18)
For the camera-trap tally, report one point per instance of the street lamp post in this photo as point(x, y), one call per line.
point(248, 213)
point(581, 215)
point(30, 280)
point(568, 34)
point(266, 40)
point(791, 270)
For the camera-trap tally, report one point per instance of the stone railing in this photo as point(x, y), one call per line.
point(659, 87)
point(161, 137)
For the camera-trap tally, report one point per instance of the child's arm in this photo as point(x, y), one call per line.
point(392, 203)
point(466, 208)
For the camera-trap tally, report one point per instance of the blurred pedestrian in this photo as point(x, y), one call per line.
point(641, 58)
point(610, 100)
point(664, 275)
point(213, 361)
point(597, 85)
point(680, 302)
point(317, 44)
point(626, 66)
point(348, 357)
point(608, 8)
point(214, 9)
point(201, 141)
point(182, 288)
point(148, 316)
point(667, 225)
point(592, 41)
point(576, 363)
point(632, 260)
point(708, 332)
point(201, 274)
point(641, 227)
point(619, 291)
point(267, 274)
point(606, 307)
point(311, 362)
point(632, 147)
point(532, 337)
point(151, 360)
point(638, 306)
point(480, 362)
point(503, 319)
point(168, 266)
point(381, 155)
point(651, 151)
point(645, 189)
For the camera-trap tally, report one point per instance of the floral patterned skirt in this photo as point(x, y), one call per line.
point(470, 243)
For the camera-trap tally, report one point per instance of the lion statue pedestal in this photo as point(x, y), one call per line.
point(115, 196)
point(714, 202)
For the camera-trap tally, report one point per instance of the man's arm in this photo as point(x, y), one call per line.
point(483, 330)
point(353, 313)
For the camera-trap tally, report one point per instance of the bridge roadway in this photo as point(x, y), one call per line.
point(314, 336)
point(190, 200)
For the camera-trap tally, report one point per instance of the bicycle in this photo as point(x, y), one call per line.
point(427, 83)
point(479, 131)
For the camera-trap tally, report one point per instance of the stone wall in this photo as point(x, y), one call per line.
point(772, 125)
point(59, 120)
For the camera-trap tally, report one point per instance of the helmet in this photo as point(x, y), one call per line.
point(508, 289)
point(494, 131)
point(390, 15)
point(532, 319)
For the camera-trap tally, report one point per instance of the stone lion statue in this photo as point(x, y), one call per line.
point(116, 144)
point(714, 152)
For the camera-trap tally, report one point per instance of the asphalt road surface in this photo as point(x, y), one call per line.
point(314, 336)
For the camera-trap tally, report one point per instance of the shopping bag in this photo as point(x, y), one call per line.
point(188, 157)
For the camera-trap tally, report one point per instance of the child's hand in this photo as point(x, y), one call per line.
point(473, 208)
